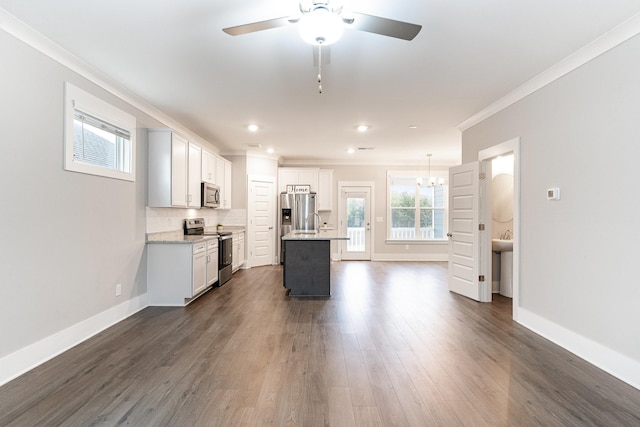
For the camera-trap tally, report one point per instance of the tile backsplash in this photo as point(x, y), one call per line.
point(170, 219)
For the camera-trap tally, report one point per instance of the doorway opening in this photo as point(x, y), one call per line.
point(501, 204)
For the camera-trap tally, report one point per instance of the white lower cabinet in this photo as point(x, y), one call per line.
point(199, 268)
point(212, 261)
point(238, 250)
point(177, 273)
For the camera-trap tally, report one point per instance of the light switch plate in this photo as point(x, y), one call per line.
point(379, 219)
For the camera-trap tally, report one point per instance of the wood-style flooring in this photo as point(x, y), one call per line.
point(391, 347)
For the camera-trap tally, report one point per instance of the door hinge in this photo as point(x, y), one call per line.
point(482, 175)
point(481, 227)
point(481, 278)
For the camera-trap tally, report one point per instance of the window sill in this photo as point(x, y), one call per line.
point(417, 242)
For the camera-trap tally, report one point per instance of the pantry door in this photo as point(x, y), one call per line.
point(261, 221)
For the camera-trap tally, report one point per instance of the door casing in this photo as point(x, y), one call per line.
point(341, 211)
point(251, 216)
point(511, 146)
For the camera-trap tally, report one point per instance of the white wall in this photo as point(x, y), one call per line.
point(66, 239)
point(579, 255)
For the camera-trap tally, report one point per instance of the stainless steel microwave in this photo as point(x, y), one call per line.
point(210, 195)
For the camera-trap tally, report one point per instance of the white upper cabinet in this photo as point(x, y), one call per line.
point(223, 180)
point(174, 170)
point(325, 190)
point(194, 176)
point(178, 168)
point(208, 167)
point(298, 176)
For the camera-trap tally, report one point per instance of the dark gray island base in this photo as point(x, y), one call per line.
point(307, 263)
point(307, 268)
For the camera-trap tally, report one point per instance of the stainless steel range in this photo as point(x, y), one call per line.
point(195, 227)
point(225, 257)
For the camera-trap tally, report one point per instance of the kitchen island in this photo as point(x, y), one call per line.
point(307, 262)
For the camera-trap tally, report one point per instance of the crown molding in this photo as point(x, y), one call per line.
point(23, 32)
point(354, 162)
point(612, 38)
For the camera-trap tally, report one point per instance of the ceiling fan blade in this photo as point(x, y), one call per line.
point(383, 26)
point(259, 26)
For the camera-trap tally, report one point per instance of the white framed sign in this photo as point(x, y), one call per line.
point(298, 189)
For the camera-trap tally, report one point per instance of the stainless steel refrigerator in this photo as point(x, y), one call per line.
point(297, 213)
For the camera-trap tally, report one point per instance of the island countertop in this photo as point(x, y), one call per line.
point(313, 235)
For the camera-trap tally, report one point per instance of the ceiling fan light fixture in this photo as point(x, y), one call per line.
point(320, 27)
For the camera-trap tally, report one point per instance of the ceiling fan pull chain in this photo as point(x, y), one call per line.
point(320, 68)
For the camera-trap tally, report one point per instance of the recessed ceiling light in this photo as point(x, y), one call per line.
point(351, 150)
point(270, 150)
point(413, 127)
point(363, 128)
point(253, 128)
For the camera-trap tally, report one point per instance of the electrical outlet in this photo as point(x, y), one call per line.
point(406, 247)
point(118, 289)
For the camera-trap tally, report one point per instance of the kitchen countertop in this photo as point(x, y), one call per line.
point(322, 235)
point(234, 228)
point(178, 236)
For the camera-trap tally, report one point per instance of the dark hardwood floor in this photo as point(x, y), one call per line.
point(392, 346)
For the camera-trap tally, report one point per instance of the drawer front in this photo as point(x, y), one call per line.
point(199, 247)
point(212, 244)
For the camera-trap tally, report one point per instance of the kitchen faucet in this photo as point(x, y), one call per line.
point(319, 219)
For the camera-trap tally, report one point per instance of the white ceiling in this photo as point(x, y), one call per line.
point(469, 54)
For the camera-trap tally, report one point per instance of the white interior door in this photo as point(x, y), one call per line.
point(465, 267)
point(261, 231)
point(355, 222)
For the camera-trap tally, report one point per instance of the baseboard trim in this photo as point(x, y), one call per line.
point(335, 257)
point(410, 257)
point(15, 364)
point(620, 366)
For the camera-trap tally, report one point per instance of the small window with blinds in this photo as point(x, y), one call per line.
point(100, 138)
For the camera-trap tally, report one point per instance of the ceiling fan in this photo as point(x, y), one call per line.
point(322, 24)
